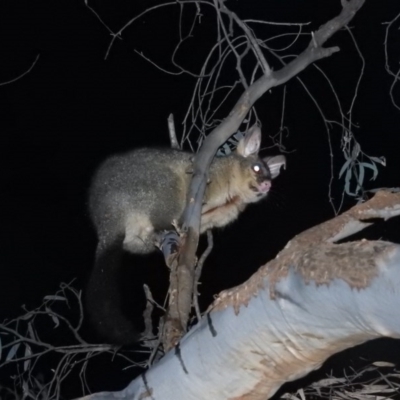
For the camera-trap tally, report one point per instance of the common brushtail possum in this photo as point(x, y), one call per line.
point(135, 195)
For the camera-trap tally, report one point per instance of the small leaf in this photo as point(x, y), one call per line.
point(373, 167)
point(28, 353)
point(27, 316)
point(344, 167)
point(12, 352)
point(224, 150)
point(300, 392)
point(356, 151)
point(53, 317)
point(55, 297)
point(360, 180)
point(347, 178)
point(380, 160)
point(31, 332)
point(383, 364)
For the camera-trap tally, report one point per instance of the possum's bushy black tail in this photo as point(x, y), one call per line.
point(103, 298)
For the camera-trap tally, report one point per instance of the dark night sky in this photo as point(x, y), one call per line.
point(75, 108)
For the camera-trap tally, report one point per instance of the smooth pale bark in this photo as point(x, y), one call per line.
point(314, 300)
point(270, 341)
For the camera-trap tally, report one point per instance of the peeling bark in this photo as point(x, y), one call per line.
point(314, 299)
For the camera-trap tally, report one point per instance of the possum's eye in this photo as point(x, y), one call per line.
point(257, 168)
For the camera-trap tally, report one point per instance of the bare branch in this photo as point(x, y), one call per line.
point(192, 213)
point(23, 74)
point(199, 269)
point(395, 74)
point(250, 36)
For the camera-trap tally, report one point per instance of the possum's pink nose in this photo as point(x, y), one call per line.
point(265, 186)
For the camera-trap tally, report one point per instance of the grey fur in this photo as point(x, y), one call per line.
point(137, 194)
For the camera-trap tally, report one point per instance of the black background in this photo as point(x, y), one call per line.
point(75, 108)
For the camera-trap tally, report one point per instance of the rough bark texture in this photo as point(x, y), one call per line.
point(316, 258)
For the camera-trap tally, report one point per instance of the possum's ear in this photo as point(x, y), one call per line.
point(250, 144)
point(275, 163)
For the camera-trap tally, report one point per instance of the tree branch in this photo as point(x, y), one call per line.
point(287, 319)
point(184, 278)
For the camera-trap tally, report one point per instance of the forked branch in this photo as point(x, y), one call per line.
point(183, 276)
